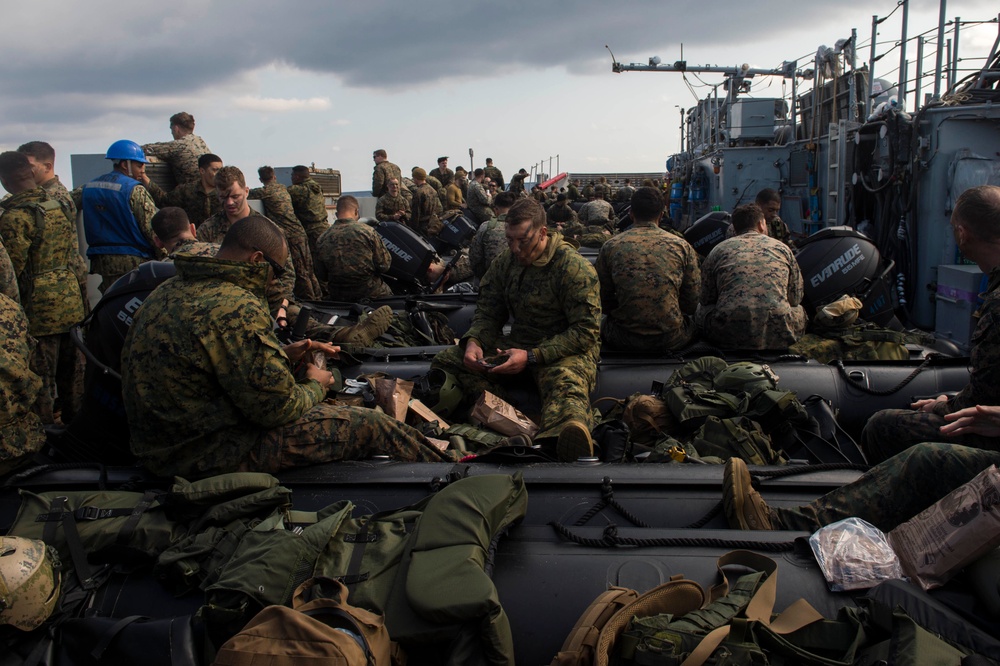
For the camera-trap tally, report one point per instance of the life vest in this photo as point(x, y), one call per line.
point(108, 220)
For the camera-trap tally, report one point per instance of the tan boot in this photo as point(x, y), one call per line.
point(574, 442)
point(365, 332)
point(745, 508)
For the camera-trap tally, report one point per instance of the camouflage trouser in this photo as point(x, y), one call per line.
point(564, 386)
point(79, 267)
point(893, 491)
point(328, 433)
point(112, 266)
point(60, 365)
point(892, 430)
point(18, 440)
point(617, 337)
point(307, 287)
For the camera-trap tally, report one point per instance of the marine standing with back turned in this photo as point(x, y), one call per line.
point(309, 203)
point(183, 152)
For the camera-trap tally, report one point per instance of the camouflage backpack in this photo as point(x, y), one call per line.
point(860, 342)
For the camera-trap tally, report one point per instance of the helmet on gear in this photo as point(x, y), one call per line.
point(124, 149)
point(29, 583)
point(745, 377)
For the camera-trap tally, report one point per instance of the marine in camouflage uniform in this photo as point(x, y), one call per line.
point(893, 491)
point(561, 213)
point(310, 208)
point(650, 285)
point(182, 155)
point(392, 208)
point(383, 173)
point(56, 190)
point(279, 209)
point(778, 230)
point(517, 183)
point(488, 243)
point(478, 200)
point(21, 432)
point(444, 175)
point(751, 288)
point(597, 211)
point(208, 388)
point(41, 243)
point(352, 259)
point(494, 174)
point(554, 304)
point(978, 238)
point(198, 203)
point(425, 211)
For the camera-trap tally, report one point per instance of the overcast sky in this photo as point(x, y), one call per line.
point(327, 82)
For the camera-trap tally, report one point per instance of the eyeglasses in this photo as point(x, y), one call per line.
point(278, 269)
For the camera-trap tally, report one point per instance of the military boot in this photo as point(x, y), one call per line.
point(366, 331)
point(574, 442)
point(745, 508)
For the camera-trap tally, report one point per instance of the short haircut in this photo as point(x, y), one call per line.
point(380, 153)
point(40, 150)
point(345, 202)
point(441, 159)
point(183, 119)
point(169, 223)
point(647, 204)
point(266, 173)
point(208, 158)
point(767, 195)
point(505, 199)
point(746, 217)
point(489, 160)
point(227, 175)
point(254, 233)
point(15, 166)
point(978, 209)
point(478, 172)
point(526, 210)
point(301, 169)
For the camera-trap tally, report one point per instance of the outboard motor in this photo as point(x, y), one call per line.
point(411, 253)
point(99, 432)
point(839, 261)
point(708, 231)
point(456, 232)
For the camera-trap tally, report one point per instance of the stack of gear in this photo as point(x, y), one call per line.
point(709, 411)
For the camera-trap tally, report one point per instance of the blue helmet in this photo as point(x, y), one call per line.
point(126, 150)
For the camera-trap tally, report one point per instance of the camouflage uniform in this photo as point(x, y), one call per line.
point(490, 240)
point(588, 190)
point(389, 205)
point(650, 284)
point(208, 388)
point(214, 231)
point(751, 288)
point(182, 156)
point(278, 208)
point(192, 197)
point(573, 192)
point(381, 176)
point(495, 175)
point(517, 183)
point(778, 230)
point(20, 429)
point(561, 213)
point(893, 491)
point(8, 278)
point(41, 255)
point(597, 211)
point(444, 176)
point(479, 202)
point(892, 430)
point(352, 258)
point(556, 311)
point(310, 208)
point(112, 266)
point(56, 190)
point(425, 211)
point(194, 247)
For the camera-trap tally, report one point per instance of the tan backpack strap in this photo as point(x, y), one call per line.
point(578, 649)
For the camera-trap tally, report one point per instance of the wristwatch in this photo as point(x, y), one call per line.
point(531, 358)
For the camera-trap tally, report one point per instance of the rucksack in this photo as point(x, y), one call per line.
point(319, 627)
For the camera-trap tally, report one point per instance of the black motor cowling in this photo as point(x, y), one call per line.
point(411, 253)
point(839, 261)
point(708, 231)
point(456, 232)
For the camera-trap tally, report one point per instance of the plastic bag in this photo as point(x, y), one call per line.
point(854, 555)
